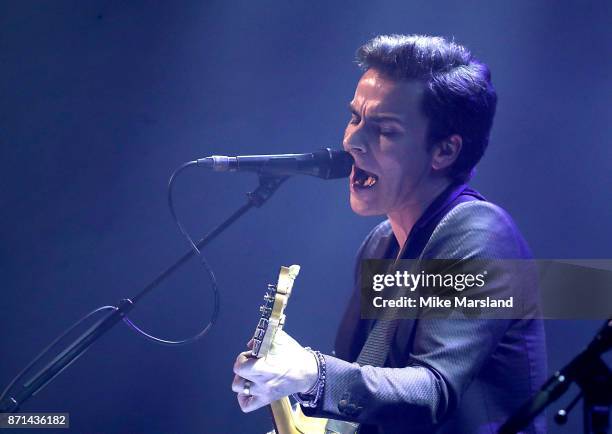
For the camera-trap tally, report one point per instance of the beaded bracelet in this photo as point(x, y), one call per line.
point(311, 398)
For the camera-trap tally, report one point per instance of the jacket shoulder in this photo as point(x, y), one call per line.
point(477, 229)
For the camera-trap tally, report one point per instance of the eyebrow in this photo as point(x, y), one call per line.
point(377, 117)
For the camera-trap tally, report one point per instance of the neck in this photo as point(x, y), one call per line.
point(403, 218)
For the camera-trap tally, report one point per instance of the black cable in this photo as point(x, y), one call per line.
point(40, 355)
point(267, 186)
point(203, 261)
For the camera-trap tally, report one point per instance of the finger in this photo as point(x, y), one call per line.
point(239, 384)
point(250, 403)
point(252, 368)
point(244, 400)
point(243, 361)
point(246, 355)
point(250, 344)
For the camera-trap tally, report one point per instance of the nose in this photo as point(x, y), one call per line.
point(355, 140)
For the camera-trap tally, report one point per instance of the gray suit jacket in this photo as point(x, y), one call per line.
point(442, 375)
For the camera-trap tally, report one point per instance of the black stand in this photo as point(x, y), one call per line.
point(267, 187)
point(597, 390)
point(595, 381)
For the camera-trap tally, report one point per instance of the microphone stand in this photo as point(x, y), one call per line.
point(593, 377)
point(267, 187)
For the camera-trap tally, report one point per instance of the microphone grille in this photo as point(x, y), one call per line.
point(340, 163)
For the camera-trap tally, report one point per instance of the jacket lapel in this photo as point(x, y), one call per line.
point(353, 330)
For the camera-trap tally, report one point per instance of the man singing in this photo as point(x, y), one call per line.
point(420, 121)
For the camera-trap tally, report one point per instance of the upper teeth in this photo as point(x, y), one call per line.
point(369, 181)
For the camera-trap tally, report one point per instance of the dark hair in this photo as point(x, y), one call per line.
point(459, 97)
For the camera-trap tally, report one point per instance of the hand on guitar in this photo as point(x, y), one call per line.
point(288, 368)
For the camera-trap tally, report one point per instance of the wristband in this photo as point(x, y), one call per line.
point(311, 398)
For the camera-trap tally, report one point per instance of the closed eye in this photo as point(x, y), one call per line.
point(388, 133)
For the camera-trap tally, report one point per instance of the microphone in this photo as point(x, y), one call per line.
point(326, 163)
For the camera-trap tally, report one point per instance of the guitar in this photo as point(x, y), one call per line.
point(288, 420)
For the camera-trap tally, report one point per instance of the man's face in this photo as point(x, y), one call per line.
point(387, 137)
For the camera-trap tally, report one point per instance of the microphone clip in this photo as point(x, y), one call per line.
point(267, 187)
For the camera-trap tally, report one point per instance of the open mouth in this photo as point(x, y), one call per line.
point(363, 179)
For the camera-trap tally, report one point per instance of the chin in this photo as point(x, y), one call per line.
point(364, 209)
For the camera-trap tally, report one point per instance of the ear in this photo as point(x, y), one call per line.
point(445, 153)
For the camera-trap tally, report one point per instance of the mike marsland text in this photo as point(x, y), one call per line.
point(441, 303)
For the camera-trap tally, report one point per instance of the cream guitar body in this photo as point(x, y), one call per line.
point(288, 420)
